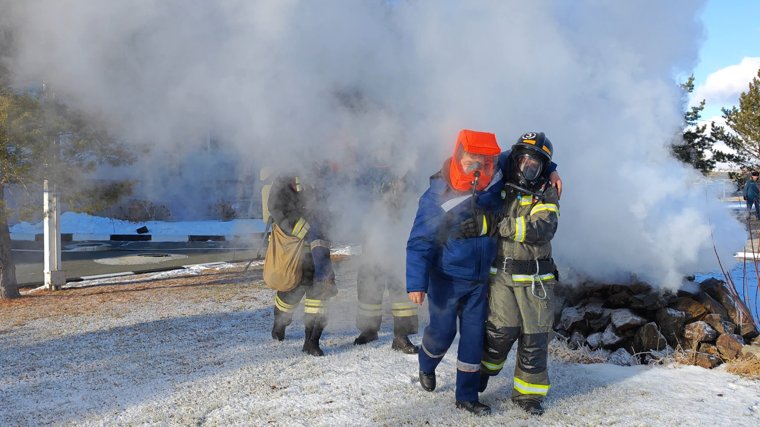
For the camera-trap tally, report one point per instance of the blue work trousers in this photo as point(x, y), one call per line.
point(447, 302)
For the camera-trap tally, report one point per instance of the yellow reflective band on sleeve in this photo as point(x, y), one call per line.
point(313, 306)
point(282, 305)
point(493, 366)
point(484, 231)
point(528, 388)
point(526, 200)
point(551, 207)
point(301, 228)
point(528, 278)
point(520, 229)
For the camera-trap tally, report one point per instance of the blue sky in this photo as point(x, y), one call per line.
point(732, 34)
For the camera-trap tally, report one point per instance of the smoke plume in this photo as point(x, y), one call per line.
point(291, 84)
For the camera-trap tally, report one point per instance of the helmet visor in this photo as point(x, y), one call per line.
point(529, 167)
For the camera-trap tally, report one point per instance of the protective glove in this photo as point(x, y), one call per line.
point(301, 228)
point(476, 226)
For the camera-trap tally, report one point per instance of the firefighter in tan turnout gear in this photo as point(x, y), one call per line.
point(523, 275)
point(293, 206)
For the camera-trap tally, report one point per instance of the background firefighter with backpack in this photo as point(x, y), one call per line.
point(524, 274)
point(293, 206)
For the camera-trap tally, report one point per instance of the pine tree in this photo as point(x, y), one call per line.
point(696, 141)
point(742, 131)
point(42, 138)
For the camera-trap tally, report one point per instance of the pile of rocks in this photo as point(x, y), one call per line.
point(704, 322)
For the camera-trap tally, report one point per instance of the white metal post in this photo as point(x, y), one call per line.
point(54, 275)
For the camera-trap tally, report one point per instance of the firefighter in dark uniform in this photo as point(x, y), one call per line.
point(377, 272)
point(293, 207)
point(524, 274)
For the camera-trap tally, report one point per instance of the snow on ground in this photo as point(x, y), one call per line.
point(79, 223)
point(194, 348)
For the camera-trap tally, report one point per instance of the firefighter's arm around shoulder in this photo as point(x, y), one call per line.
point(539, 225)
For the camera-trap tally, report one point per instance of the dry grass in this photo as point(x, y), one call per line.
point(560, 350)
point(748, 367)
point(213, 284)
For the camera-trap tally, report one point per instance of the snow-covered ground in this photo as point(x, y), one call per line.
point(79, 223)
point(196, 349)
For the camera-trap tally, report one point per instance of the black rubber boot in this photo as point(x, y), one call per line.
point(483, 382)
point(475, 407)
point(531, 406)
point(365, 337)
point(279, 325)
point(401, 343)
point(311, 341)
point(427, 381)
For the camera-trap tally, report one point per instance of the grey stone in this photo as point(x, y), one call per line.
point(610, 338)
point(648, 338)
point(621, 357)
point(594, 340)
point(718, 323)
point(693, 309)
point(698, 332)
point(623, 319)
point(671, 323)
point(571, 317)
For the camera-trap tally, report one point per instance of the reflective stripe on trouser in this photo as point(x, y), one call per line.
point(514, 312)
point(497, 345)
point(372, 281)
point(314, 308)
point(531, 378)
point(448, 302)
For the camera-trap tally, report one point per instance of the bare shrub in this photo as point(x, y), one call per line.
point(747, 367)
point(559, 349)
point(223, 210)
point(137, 210)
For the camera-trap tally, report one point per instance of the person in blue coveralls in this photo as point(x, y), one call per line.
point(453, 271)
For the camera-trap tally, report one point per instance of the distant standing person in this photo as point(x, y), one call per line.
point(751, 195)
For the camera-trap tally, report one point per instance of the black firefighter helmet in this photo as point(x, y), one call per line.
point(530, 158)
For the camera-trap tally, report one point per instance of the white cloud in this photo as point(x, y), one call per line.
point(723, 87)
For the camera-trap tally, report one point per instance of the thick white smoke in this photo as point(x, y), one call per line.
point(289, 83)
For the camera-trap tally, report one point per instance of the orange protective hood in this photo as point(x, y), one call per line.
point(481, 150)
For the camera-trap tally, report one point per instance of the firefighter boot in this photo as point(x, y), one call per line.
point(483, 382)
point(401, 343)
point(365, 337)
point(475, 407)
point(278, 327)
point(427, 381)
point(531, 406)
point(311, 341)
